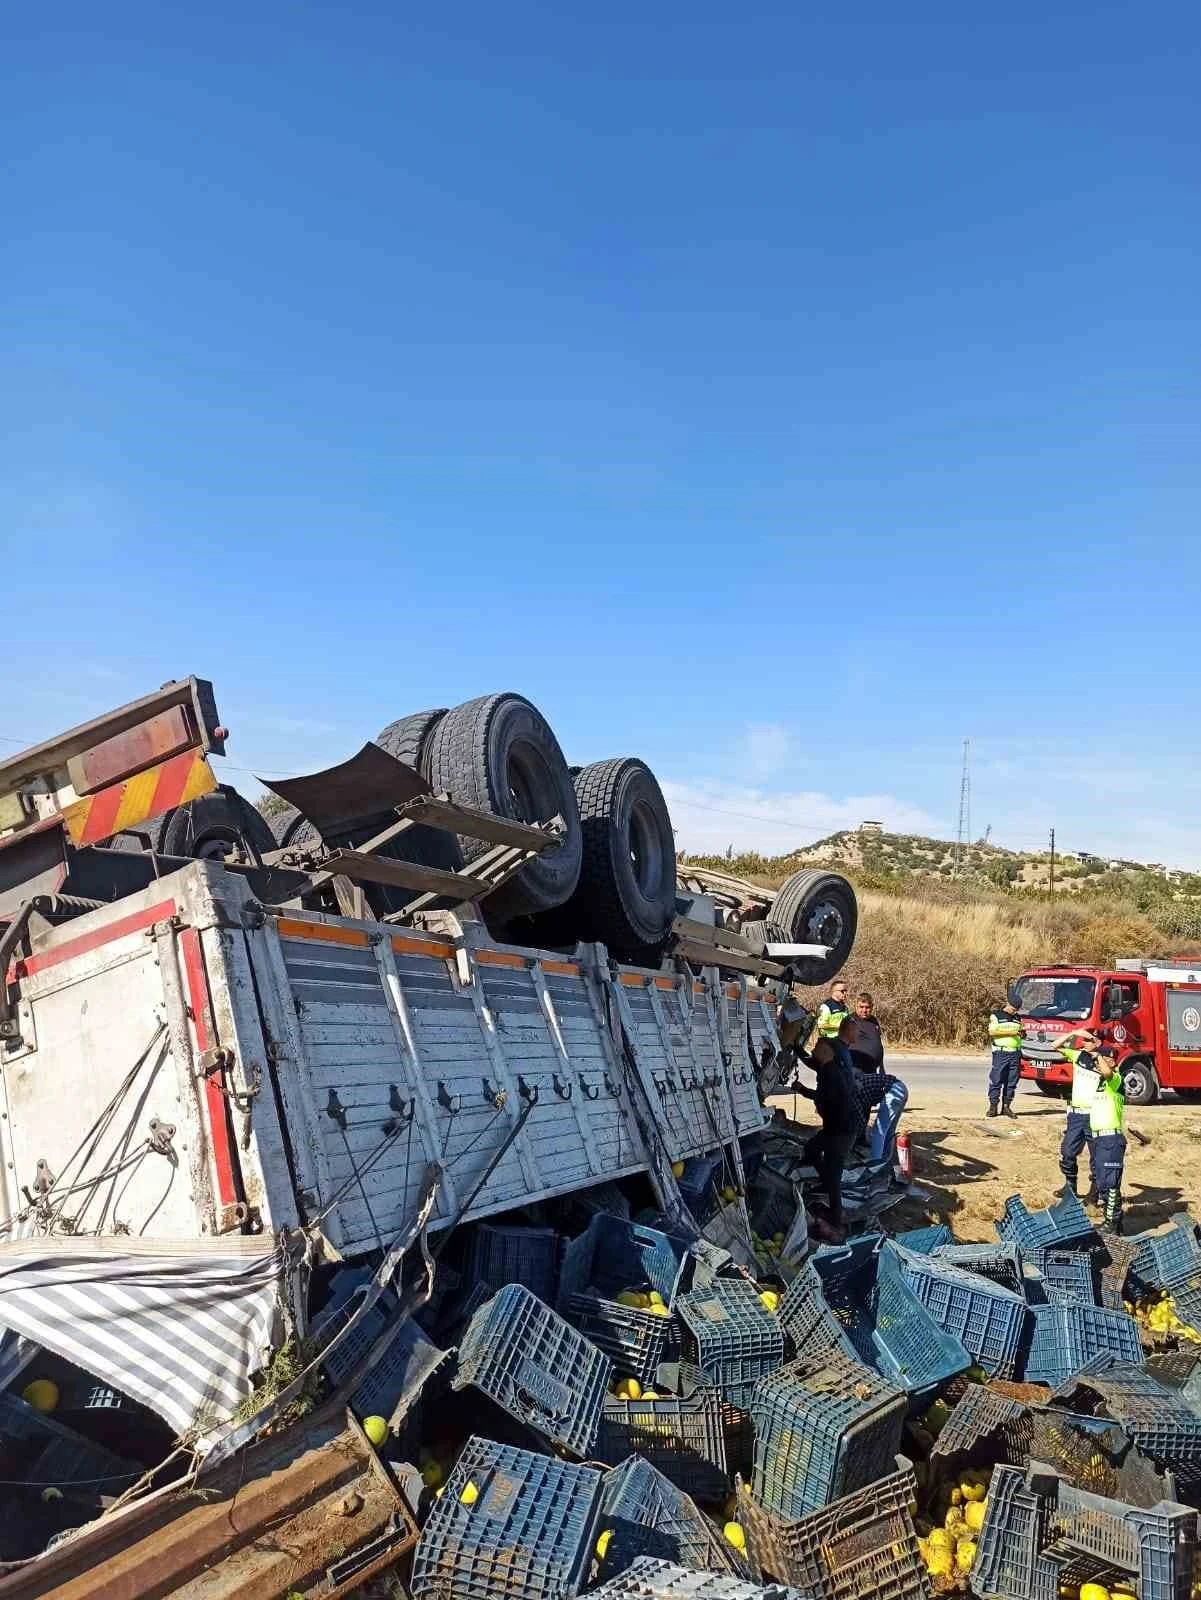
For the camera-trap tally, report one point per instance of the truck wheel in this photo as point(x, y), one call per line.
point(1053, 1091)
point(626, 894)
point(817, 907)
point(1140, 1084)
point(408, 738)
point(499, 753)
point(289, 827)
point(209, 828)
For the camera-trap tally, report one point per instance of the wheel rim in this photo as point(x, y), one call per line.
point(646, 852)
point(1134, 1082)
point(531, 783)
point(825, 924)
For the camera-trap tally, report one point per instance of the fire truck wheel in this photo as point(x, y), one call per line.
point(1053, 1091)
point(1139, 1081)
point(817, 907)
point(500, 754)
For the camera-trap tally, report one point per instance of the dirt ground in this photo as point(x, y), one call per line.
point(969, 1166)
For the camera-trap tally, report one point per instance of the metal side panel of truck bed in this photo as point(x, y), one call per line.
point(192, 1062)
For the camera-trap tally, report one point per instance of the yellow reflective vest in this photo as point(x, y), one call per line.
point(1004, 1032)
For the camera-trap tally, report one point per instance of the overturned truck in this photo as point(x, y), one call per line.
point(451, 978)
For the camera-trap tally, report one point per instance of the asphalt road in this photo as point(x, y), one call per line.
point(948, 1075)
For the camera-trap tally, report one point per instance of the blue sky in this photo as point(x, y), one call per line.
point(780, 393)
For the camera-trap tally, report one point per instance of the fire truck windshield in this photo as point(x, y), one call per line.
point(1070, 998)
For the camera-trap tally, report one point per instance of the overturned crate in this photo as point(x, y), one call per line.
point(509, 1522)
point(611, 1258)
point(1065, 1338)
point(885, 1321)
point(863, 1544)
point(651, 1579)
point(536, 1367)
point(1066, 1222)
point(644, 1514)
point(988, 1320)
point(683, 1436)
point(823, 1427)
point(731, 1336)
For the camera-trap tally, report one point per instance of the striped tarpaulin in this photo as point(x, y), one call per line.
point(179, 1326)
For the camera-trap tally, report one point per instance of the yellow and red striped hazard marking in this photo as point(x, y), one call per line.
point(148, 794)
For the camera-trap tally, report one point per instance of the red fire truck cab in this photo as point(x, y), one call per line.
point(1150, 1011)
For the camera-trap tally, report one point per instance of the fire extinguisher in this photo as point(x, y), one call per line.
point(904, 1157)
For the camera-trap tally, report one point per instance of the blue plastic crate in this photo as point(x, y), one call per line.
point(682, 1435)
point(500, 1254)
point(1162, 1257)
point(647, 1515)
point(862, 1545)
point(999, 1263)
point(613, 1254)
point(887, 1324)
point(823, 1427)
point(982, 1418)
point(923, 1240)
point(1159, 1418)
point(731, 1336)
point(649, 1579)
point(988, 1320)
point(635, 1341)
point(809, 1321)
point(535, 1366)
point(1061, 1277)
point(1015, 1530)
point(1065, 1222)
point(529, 1534)
point(1065, 1338)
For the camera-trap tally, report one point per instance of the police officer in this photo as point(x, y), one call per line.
point(1077, 1133)
point(1106, 1121)
point(1005, 1037)
point(831, 1012)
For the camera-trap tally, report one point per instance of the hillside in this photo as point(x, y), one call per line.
point(936, 953)
point(878, 852)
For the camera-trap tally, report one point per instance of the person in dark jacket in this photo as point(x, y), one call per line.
point(876, 1088)
point(838, 1108)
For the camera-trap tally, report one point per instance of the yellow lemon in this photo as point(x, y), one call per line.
point(41, 1394)
point(677, 1171)
point(939, 1564)
point(470, 1494)
point(940, 1539)
point(431, 1474)
point(729, 1194)
point(974, 1515)
point(734, 1535)
point(1093, 1591)
point(976, 1374)
point(629, 1297)
point(956, 1497)
point(655, 1298)
point(965, 1554)
point(650, 1394)
point(936, 1417)
point(376, 1429)
point(1121, 1594)
point(769, 1300)
point(633, 1389)
point(659, 1311)
point(972, 1491)
point(603, 1543)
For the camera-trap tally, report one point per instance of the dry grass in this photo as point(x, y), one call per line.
point(937, 965)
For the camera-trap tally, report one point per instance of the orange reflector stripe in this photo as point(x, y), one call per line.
point(664, 983)
point(423, 947)
point(322, 932)
point(498, 958)
point(561, 969)
point(147, 794)
point(632, 980)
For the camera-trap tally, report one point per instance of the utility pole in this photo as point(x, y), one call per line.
point(963, 834)
point(1052, 863)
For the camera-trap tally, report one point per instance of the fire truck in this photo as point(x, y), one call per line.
point(1149, 1011)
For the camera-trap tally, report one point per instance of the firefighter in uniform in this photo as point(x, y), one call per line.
point(1082, 1057)
point(1106, 1122)
point(1005, 1037)
point(832, 1010)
